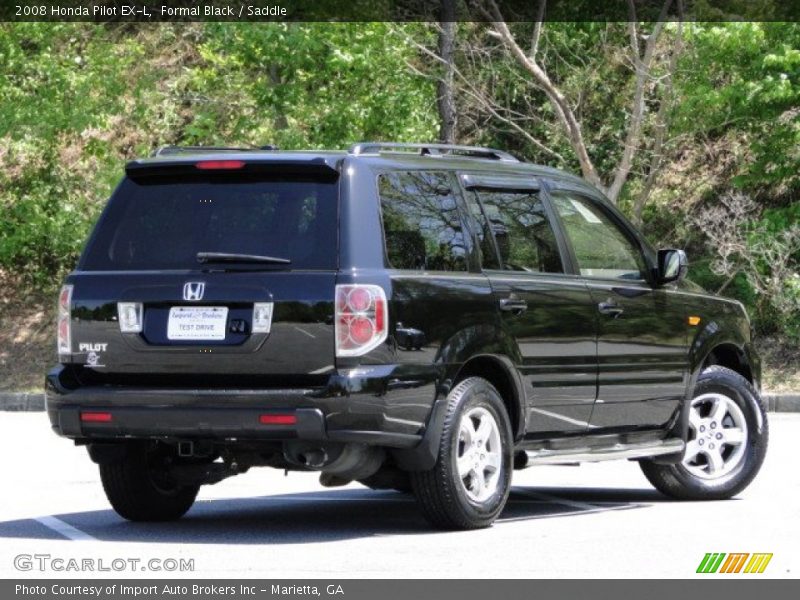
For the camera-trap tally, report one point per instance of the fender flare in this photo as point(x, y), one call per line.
point(424, 455)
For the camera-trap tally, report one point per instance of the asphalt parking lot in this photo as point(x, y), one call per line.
point(598, 520)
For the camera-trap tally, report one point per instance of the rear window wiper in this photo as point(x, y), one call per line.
point(228, 257)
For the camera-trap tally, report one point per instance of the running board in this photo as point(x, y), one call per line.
point(615, 452)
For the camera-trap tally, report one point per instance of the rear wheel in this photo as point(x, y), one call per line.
point(469, 485)
point(139, 488)
point(727, 441)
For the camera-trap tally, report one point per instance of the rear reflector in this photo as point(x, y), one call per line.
point(212, 165)
point(277, 419)
point(96, 417)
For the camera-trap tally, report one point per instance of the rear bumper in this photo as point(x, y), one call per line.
point(369, 405)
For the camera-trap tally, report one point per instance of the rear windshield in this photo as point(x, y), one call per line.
point(163, 223)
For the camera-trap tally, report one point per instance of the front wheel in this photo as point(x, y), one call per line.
point(469, 485)
point(727, 441)
point(140, 489)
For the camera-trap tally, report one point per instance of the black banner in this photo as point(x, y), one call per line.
point(103, 11)
point(436, 589)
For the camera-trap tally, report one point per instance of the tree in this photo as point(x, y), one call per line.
point(642, 56)
point(445, 96)
point(765, 254)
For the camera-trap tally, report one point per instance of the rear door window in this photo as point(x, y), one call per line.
point(421, 222)
point(163, 223)
point(521, 229)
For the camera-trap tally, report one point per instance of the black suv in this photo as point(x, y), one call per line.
point(412, 316)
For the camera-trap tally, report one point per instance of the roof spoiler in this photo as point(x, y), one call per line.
point(183, 166)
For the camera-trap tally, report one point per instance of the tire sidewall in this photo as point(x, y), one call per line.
point(481, 394)
point(723, 381)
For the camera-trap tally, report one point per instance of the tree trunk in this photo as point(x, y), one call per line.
point(280, 122)
point(445, 92)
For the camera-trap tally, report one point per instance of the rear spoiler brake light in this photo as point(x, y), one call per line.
point(316, 169)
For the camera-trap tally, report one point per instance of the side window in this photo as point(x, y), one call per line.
point(521, 229)
point(601, 247)
point(489, 258)
point(421, 222)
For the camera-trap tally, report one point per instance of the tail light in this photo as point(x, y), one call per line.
point(362, 322)
point(64, 343)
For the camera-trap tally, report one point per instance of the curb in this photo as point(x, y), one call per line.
point(21, 402)
point(783, 402)
point(33, 402)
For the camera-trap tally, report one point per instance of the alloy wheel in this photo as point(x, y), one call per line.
point(480, 456)
point(717, 437)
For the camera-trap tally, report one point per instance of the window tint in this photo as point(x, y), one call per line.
point(524, 236)
point(489, 257)
point(164, 223)
point(421, 222)
point(600, 246)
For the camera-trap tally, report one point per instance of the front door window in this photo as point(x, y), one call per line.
point(601, 248)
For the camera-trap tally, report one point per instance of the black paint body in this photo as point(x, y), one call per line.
point(566, 370)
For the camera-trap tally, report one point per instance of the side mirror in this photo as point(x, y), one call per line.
point(672, 265)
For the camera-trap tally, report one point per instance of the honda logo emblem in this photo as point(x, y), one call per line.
point(193, 291)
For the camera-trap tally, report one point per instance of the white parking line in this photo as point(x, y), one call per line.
point(65, 529)
point(311, 335)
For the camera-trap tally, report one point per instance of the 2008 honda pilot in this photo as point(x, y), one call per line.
point(419, 317)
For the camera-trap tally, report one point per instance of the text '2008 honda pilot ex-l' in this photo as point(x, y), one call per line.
point(420, 317)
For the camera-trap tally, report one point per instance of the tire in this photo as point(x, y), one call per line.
point(450, 499)
point(723, 454)
point(138, 492)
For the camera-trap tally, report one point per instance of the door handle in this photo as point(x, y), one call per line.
point(513, 305)
point(610, 308)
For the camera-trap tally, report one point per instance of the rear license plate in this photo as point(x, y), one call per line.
point(197, 322)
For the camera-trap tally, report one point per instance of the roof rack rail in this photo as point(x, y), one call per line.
point(171, 150)
point(431, 150)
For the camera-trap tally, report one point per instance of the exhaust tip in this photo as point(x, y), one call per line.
point(313, 458)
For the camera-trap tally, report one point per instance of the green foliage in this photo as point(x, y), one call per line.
point(78, 100)
point(745, 77)
point(739, 90)
point(315, 84)
point(585, 60)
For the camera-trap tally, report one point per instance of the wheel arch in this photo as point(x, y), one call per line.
point(731, 356)
point(708, 351)
point(500, 372)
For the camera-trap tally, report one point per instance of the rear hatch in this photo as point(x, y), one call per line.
point(204, 272)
